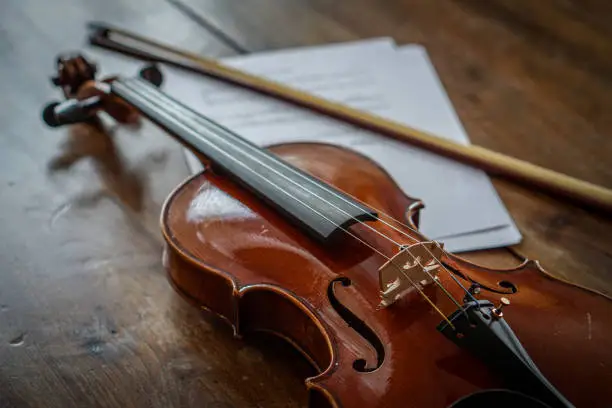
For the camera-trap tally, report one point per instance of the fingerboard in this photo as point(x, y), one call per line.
point(319, 208)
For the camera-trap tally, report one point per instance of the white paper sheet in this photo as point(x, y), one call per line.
point(462, 208)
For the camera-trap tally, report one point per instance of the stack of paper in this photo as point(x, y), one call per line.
point(462, 210)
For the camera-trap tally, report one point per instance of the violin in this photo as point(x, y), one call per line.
point(317, 244)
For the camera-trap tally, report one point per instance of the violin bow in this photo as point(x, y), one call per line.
point(494, 163)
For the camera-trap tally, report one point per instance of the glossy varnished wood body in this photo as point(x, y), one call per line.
point(231, 254)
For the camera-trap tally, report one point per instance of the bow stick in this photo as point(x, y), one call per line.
point(579, 191)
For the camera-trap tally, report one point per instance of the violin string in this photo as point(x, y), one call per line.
point(246, 144)
point(187, 112)
point(195, 117)
point(198, 119)
point(161, 109)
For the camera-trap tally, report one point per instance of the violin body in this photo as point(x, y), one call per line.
point(318, 245)
point(230, 253)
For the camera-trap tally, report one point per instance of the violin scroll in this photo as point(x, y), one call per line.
point(72, 72)
point(85, 96)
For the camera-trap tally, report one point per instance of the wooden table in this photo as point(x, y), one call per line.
point(87, 317)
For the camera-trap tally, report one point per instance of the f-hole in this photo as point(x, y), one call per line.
point(358, 325)
point(508, 285)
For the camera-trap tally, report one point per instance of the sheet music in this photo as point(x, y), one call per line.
point(462, 210)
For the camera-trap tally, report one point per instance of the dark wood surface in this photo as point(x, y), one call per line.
point(87, 317)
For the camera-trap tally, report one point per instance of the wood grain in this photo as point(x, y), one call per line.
point(87, 316)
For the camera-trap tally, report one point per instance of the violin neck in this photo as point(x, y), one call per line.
point(320, 209)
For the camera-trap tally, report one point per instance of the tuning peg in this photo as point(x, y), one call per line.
point(48, 115)
point(70, 111)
